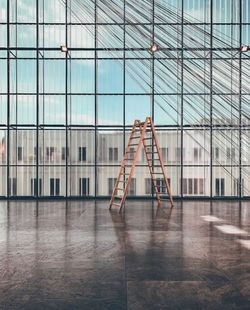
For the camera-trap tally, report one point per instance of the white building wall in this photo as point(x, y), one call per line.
point(54, 166)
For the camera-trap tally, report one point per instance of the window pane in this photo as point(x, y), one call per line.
point(81, 110)
point(137, 107)
point(110, 110)
point(110, 76)
point(82, 76)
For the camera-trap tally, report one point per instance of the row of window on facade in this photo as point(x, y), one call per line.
point(52, 154)
point(191, 186)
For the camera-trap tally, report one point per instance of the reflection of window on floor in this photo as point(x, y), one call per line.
point(50, 153)
point(19, 153)
point(64, 154)
point(113, 153)
point(34, 187)
point(83, 186)
point(82, 153)
point(193, 186)
point(219, 187)
point(54, 187)
point(237, 187)
point(12, 187)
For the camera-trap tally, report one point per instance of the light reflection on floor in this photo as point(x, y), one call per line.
point(230, 229)
point(210, 218)
point(245, 243)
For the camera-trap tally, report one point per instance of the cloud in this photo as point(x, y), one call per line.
point(26, 11)
point(82, 119)
point(3, 14)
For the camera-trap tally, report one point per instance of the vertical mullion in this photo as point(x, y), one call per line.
point(124, 81)
point(182, 84)
point(153, 87)
point(95, 34)
point(153, 58)
point(66, 96)
point(240, 104)
point(211, 98)
point(8, 98)
point(37, 98)
point(16, 95)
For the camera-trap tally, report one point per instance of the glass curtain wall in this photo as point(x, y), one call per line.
point(76, 74)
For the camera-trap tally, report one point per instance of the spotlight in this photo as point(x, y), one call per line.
point(154, 48)
point(244, 48)
point(64, 49)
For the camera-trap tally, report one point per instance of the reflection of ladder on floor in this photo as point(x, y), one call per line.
point(140, 136)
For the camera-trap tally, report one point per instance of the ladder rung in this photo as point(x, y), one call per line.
point(147, 139)
point(135, 137)
point(152, 152)
point(116, 204)
point(121, 189)
point(133, 144)
point(131, 152)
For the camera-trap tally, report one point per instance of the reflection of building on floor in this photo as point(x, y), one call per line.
point(52, 156)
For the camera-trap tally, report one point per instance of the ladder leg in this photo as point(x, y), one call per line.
point(155, 143)
point(121, 171)
point(137, 125)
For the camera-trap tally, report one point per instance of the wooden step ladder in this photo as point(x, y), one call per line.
point(139, 137)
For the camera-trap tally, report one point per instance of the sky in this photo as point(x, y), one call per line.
point(110, 72)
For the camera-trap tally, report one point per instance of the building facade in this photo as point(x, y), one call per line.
point(56, 164)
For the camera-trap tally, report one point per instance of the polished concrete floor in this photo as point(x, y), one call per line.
point(78, 255)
